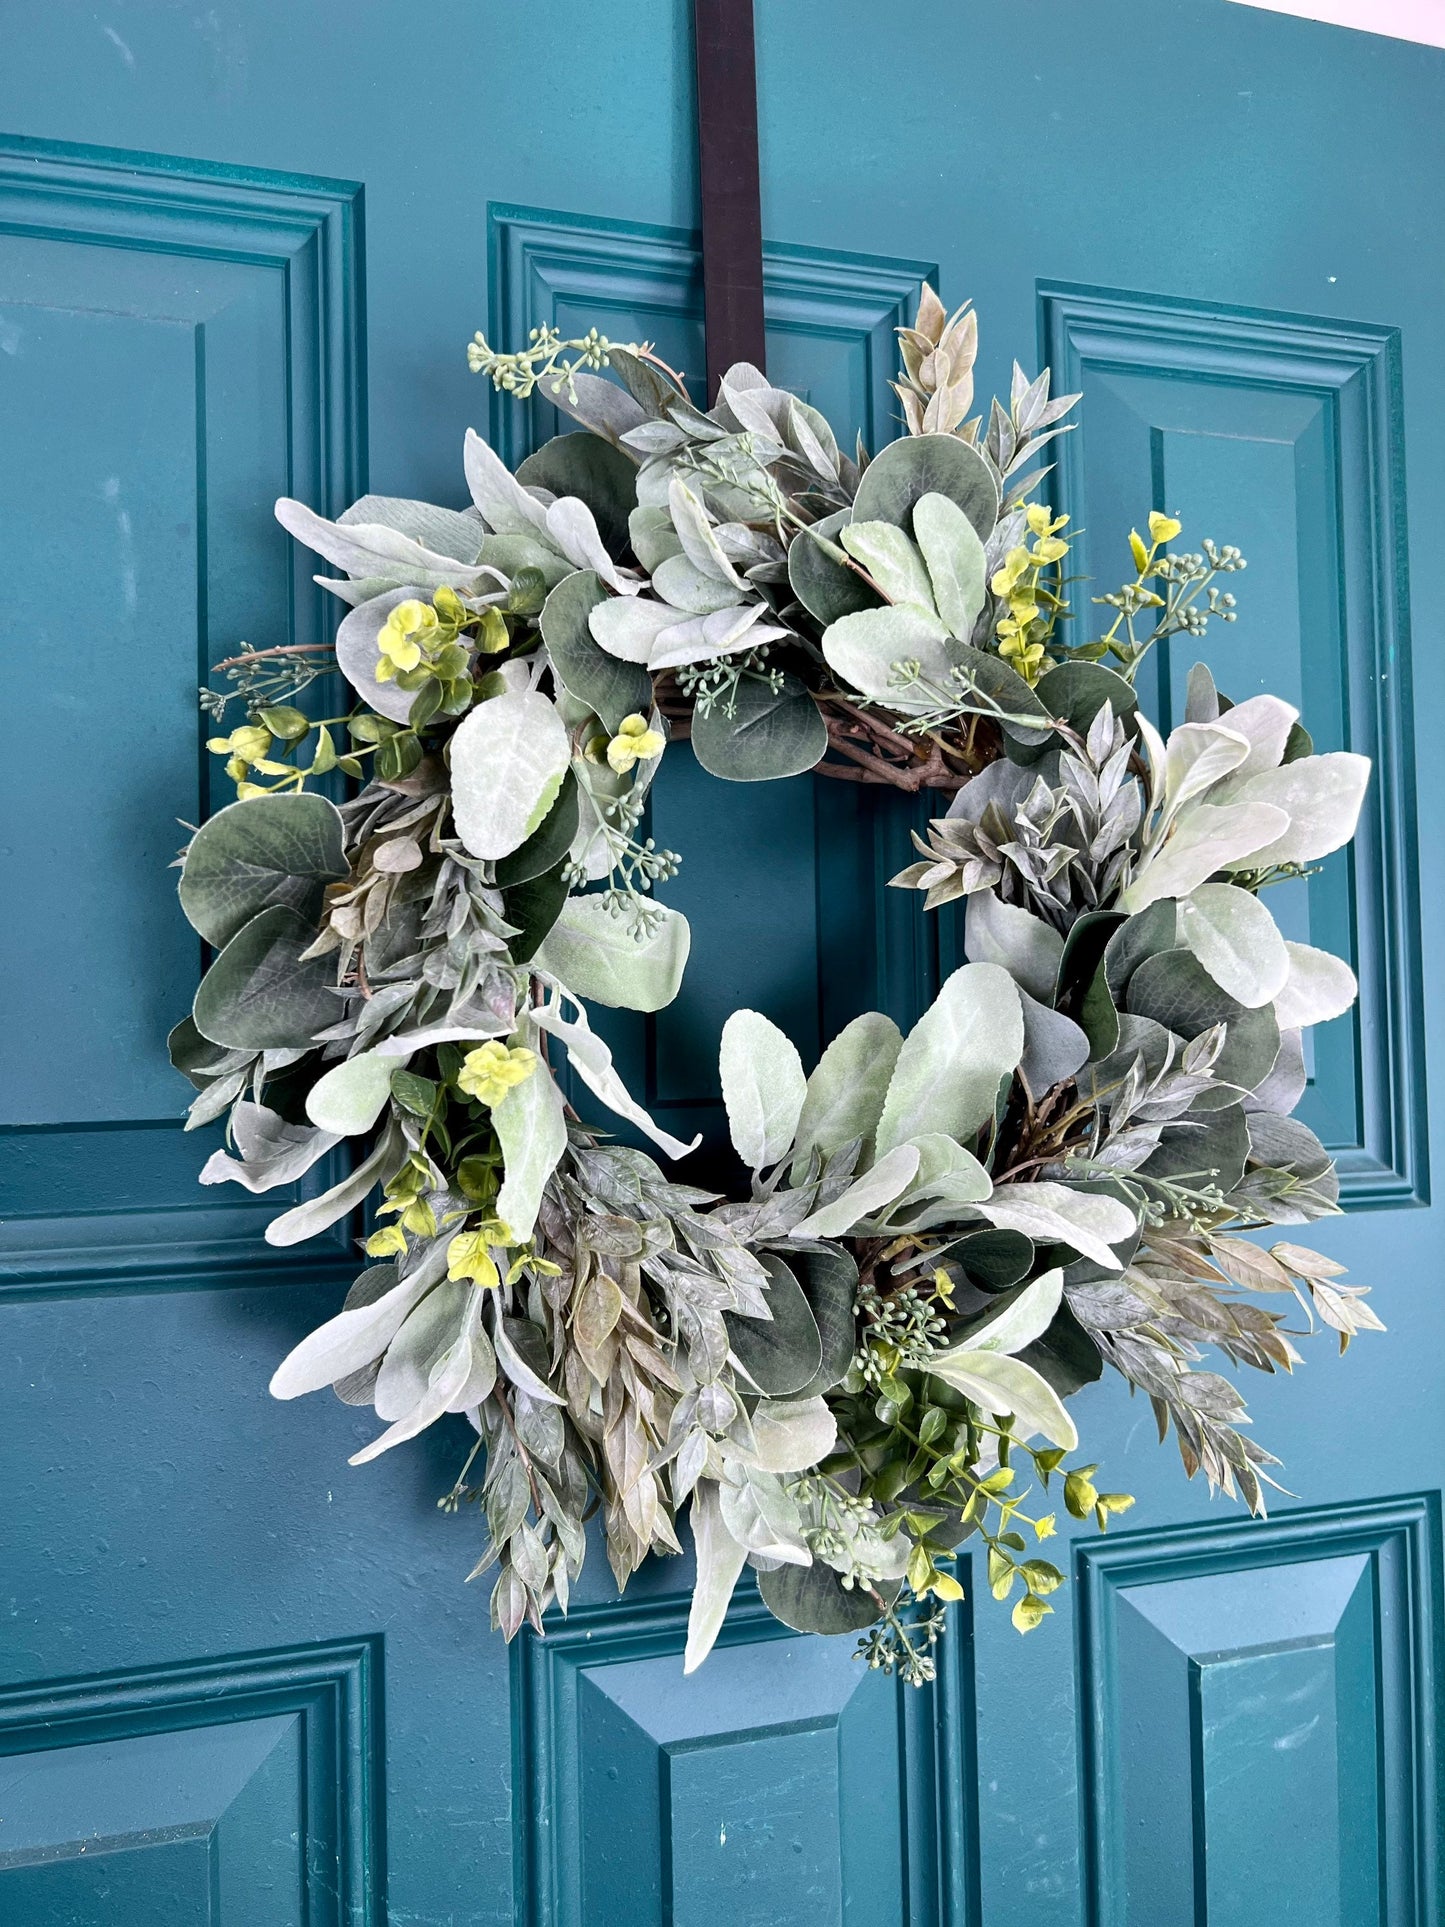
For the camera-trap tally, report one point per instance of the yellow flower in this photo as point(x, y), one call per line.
point(1163, 528)
point(397, 640)
point(492, 1070)
point(1026, 657)
point(1138, 551)
point(248, 744)
point(595, 748)
point(1016, 563)
point(634, 742)
point(1049, 548)
point(468, 1256)
point(1041, 522)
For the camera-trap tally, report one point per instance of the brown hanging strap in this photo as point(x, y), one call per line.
point(732, 227)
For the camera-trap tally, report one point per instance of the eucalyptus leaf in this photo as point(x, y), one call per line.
point(532, 908)
point(1317, 988)
point(612, 688)
point(813, 1599)
point(921, 465)
point(771, 733)
point(267, 850)
point(829, 1278)
point(1029, 949)
point(593, 470)
point(783, 1353)
point(259, 995)
point(828, 589)
point(548, 844)
point(594, 954)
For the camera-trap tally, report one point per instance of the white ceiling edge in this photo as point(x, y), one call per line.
point(1419, 20)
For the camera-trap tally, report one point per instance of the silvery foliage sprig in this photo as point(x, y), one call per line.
point(1057, 840)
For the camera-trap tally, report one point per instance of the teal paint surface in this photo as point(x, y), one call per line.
point(243, 1684)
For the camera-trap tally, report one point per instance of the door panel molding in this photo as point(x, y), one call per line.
point(195, 334)
point(244, 1790)
point(1284, 433)
point(1252, 1693)
point(643, 1795)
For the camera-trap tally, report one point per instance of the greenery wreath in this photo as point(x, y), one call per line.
point(948, 1233)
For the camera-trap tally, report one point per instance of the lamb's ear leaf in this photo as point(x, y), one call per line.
point(612, 688)
point(949, 1069)
point(1007, 1385)
point(771, 733)
point(508, 758)
point(593, 470)
point(720, 1561)
point(813, 1599)
point(784, 1353)
point(847, 1088)
point(763, 1087)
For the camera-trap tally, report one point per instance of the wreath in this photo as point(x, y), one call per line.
point(844, 1374)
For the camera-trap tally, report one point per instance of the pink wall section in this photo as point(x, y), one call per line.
point(1422, 20)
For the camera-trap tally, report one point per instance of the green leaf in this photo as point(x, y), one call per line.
point(1029, 949)
point(955, 558)
point(763, 1087)
point(267, 850)
point(1087, 1222)
point(770, 733)
point(1176, 991)
point(508, 759)
point(351, 1096)
point(593, 470)
point(1211, 1142)
point(919, 465)
point(611, 688)
point(784, 1353)
point(545, 848)
point(415, 1094)
point(829, 1279)
point(1007, 1386)
point(891, 559)
point(531, 1127)
point(813, 1599)
point(845, 1093)
point(1075, 692)
point(827, 589)
point(1237, 940)
point(953, 1060)
point(1318, 988)
point(534, 907)
point(258, 995)
point(594, 955)
point(862, 651)
point(865, 1196)
point(1016, 1319)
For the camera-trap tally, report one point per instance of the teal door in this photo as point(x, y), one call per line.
point(241, 249)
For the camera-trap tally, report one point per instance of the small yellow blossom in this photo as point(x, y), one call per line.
point(492, 1070)
point(1138, 551)
point(397, 640)
point(1049, 548)
point(1041, 522)
point(248, 744)
point(1163, 528)
point(1026, 657)
point(634, 742)
point(1015, 565)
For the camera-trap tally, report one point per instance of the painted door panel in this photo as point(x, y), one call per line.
point(243, 1684)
